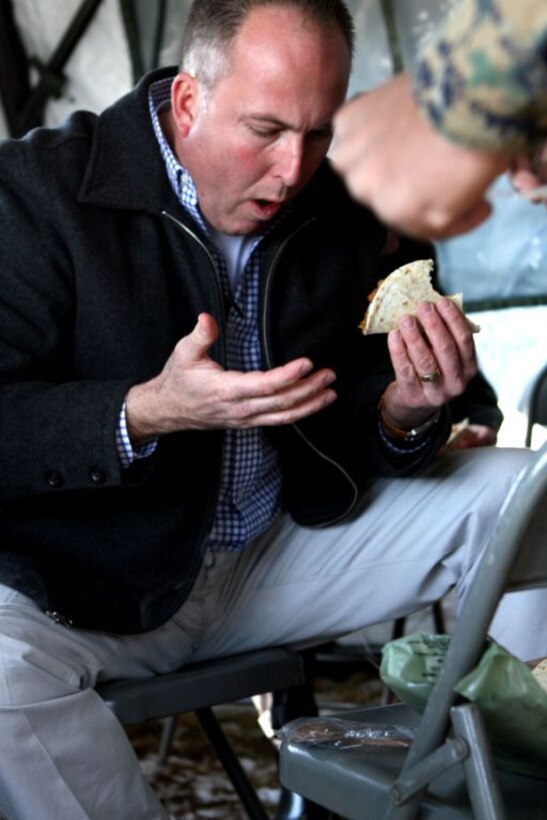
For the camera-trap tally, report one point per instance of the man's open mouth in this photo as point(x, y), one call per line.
point(267, 208)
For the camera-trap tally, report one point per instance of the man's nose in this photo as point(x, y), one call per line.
point(290, 159)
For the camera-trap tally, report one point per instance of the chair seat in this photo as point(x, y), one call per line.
point(197, 688)
point(201, 685)
point(355, 782)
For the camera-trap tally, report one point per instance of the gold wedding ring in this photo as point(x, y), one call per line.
point(430, 377)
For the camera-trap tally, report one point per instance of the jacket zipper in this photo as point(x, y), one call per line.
point(267, 290)
point(211, 259)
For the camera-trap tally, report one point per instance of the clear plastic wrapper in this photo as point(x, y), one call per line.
point(341, 733)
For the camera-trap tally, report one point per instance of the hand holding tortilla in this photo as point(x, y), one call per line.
point(431, 347)
point(399, 294)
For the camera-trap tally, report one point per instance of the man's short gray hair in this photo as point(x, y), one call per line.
point(213, 25)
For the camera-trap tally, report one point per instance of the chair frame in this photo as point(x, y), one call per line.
point(198, 688)
point(433, 752)
point(537, 405)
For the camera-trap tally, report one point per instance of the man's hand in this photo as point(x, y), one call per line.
point(529, 172)
point(471, 435)
point(436, 344)
point(410, 175)
point(193, 392)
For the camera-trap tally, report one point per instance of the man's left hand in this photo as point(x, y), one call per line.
point(433, 356)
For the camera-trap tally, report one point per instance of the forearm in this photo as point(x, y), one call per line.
point(483, 81)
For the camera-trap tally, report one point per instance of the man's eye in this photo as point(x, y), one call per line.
point(266, 133)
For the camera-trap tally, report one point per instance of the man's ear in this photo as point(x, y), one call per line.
point(184, 102)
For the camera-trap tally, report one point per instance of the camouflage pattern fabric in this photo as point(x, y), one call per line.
point(483, 81)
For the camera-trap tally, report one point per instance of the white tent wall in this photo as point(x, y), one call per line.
point(98, 71)
point(100, 68)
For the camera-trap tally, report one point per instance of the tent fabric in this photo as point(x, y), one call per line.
point(120, 44)
point(98, 71)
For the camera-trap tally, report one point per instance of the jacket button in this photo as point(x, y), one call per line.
point(53, 478)
point(97, 475)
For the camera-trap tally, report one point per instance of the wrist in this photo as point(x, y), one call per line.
point(141, 420)
point(406, 432)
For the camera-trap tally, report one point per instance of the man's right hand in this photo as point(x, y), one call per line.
point(193, 392)
point(413, 177)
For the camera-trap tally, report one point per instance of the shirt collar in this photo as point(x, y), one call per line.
point(159, 96)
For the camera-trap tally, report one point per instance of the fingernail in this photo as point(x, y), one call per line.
point(426, 307)
point(408, 322)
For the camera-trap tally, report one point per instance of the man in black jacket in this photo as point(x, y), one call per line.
point(201, 453)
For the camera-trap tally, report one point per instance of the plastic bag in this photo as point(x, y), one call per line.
point(512, 703)
point(410, 666)
point(514, 708)
point(341, 733)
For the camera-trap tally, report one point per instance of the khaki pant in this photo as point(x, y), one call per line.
point(65, 757)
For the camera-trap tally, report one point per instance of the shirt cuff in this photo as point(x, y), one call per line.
point(127, 453)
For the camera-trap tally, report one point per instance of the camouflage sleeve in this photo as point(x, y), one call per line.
point(482, 82)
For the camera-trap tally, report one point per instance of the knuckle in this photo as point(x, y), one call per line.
point(439, 218)
point(243, 411)
point(446, 348)
point(284, 403)
point(265, 388)
point(224, 393)
point(426, 366)
point(407, 372)
point(285, 417)
point(465, 340)
point(459, 384)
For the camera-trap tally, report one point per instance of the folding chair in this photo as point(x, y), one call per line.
point(197, 688)
point(449, 770)
point(537, 405)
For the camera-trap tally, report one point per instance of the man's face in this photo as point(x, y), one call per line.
point(266, 126)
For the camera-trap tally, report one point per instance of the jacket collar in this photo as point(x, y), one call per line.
point(125, 167)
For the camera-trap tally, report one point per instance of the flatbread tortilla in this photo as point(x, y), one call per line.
point(399, 294)
point(540, 674)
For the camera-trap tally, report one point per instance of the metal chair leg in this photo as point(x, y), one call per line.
point(480, 772)
point(166, 740)
point(232, 766)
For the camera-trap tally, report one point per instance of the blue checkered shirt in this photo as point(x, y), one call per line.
point(250, 488)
